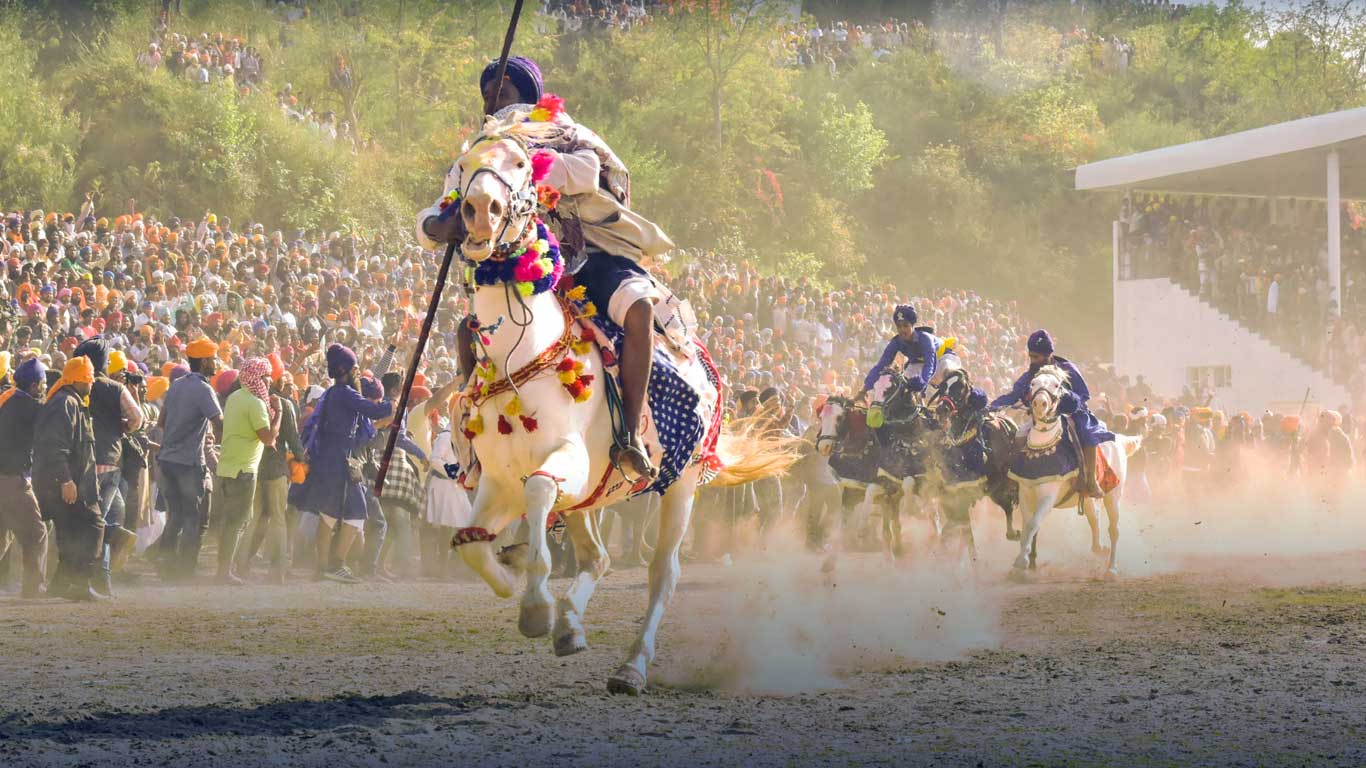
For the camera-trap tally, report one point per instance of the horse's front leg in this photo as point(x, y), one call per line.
point(565, 471)
point(1035, 501)
point(492, 513)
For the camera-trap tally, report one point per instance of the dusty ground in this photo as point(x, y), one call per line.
point(1208, 665)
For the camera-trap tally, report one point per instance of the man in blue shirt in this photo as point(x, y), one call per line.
point(190, 406)
point(918, 345)
point(1090, 430)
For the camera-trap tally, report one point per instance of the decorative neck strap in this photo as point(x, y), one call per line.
point(534, 268)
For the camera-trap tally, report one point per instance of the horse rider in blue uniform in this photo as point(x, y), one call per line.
point(920, 347)
point(1091, 431)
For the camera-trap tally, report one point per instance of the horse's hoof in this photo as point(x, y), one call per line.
point(627, 680)
point(1111, 575)
point(1018, 575)
point(514, 556)
point(571, 643)
point(535, 619)
point(1012, 535)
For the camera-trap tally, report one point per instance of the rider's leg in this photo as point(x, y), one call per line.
point(637, 358)
point(464, 346)
point(1088, 456)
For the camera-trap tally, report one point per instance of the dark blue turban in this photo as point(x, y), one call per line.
point(1040, 342)
point(97, 349)
point(523, 73)
point(30, 373)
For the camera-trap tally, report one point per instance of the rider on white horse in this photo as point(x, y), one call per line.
point(919, 346)
point(1090, 430)
point(591, 179)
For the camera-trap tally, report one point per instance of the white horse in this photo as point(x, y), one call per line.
point(549, 450)
point(1047, 437)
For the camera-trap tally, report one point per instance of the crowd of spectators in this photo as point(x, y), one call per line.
point(1267, 269)
point(590, 17)
point(205, 58)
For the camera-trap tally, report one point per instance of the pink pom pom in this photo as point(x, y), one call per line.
point(540, 165)
point(527, 270)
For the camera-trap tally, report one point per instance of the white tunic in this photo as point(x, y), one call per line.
point(448, 504)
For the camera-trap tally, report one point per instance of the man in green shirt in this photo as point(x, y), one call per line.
point(250, 425)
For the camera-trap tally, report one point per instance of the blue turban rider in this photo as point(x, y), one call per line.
point(1091, 431)
point(920, 347)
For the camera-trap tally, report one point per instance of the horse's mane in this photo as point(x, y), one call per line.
point(1052, 371)
point(512, 123)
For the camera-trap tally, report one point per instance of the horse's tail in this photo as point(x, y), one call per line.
point(749, 451)
point(1129, 443)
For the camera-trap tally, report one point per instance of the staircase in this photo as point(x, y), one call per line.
point(1163, 329)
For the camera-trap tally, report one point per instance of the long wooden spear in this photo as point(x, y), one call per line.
point(397, 425)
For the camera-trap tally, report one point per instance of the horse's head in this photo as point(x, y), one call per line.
point(498, 198)
point(1045, 391)
point(832, 420)
point(953, 395)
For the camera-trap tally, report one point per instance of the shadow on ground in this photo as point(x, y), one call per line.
point(276, 718)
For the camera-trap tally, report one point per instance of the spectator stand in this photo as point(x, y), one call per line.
point(1228, 271)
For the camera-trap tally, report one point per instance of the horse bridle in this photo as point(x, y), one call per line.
point(521, 202)
point(841, 421)
point(1052, 404)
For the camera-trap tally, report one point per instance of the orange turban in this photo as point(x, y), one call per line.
point(156, 387)
point(277, 366)
point(202, 347)
point(78, 370)
point(166, 370)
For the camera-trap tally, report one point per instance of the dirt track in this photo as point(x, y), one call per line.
point(1204, 667)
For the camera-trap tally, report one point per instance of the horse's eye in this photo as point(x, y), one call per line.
point(521, 163)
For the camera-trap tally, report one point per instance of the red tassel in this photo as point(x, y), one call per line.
point(504, 426)
point(528, 423)
point(586, 378)
point(469, 435)
point(608, 357)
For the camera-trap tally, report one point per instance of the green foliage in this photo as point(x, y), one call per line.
point(946, 163)
point(36, 137)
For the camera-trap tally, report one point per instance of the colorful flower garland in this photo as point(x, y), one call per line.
point(532, 269)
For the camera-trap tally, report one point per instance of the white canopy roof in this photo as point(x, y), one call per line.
point(1283, 160)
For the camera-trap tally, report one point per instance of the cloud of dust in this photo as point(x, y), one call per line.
point(1264, 513)
point(786, 624)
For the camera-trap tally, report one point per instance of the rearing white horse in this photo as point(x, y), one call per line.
point(1046, 466)
point(539, 420)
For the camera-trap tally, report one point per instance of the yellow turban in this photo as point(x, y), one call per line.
point(118, 362)
point(4, 365)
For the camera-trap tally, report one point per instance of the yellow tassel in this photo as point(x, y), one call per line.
point(514, 407)
point(541, 246)
point(577, 293)
point(567, 377)
point(578, 366)
point(589, 310)
point(526, 289)
point(476, 424)
point(581, 347)
point(584, 395)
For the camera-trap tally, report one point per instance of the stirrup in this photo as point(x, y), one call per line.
point(627, 469)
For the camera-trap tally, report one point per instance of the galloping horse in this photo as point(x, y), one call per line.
point(1047, 465)
point(843, 434)
point(973, 460)
point(542, 381)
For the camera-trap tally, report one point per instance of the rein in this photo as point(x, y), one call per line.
point(543, 362)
